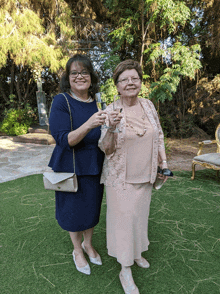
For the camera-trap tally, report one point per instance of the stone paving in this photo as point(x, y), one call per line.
point(22, 159)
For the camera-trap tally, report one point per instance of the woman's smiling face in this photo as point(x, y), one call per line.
point(78, 83)
point(129, 84)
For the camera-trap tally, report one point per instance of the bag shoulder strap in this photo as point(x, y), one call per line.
point(71, 121)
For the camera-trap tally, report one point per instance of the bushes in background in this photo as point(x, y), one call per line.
point(17, 121)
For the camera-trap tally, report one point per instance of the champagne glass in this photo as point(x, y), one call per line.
point(117, 109)
point(101, 106)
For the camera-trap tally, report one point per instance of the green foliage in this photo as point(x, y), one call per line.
point(183, 61)
point(185, 128)
point(35, 43)
point(145, 90)
point(111, 62)
point(167, 146)
point(173, 126)
point(108, 91)
point(167, 15)
point(17, 121)
point(171, 14)
point(148, 24)
point(122, 33)
point(11, 103)
point(29, 41)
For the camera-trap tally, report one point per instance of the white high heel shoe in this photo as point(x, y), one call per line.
point(142, 262)
point(128, 284)
point(96, 260)
point(85, 270)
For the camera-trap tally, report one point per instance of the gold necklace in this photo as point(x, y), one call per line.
point(144, 126)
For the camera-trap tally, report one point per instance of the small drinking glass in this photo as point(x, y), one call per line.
point(101, 106)
point(119, 110)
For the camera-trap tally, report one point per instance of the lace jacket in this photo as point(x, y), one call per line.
point(114, 167)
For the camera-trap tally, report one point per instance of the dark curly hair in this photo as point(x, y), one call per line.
point(124, 65)
point(87, 64)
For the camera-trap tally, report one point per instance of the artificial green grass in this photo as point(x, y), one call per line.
point(184, 232)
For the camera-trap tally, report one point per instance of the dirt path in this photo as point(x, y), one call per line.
point(182, 151)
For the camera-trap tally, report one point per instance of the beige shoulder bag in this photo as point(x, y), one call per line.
point(58, 181)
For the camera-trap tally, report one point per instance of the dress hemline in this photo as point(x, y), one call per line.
point(130, 264)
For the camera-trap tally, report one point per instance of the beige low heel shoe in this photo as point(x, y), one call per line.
point(142, 262)
point(85, 270)
point(128, 285)
point(95, 260)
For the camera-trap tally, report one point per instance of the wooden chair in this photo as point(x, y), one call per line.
point(208, 160)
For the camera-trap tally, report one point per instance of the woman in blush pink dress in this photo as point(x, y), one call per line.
point(133, 147)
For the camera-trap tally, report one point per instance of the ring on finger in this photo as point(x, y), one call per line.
point(114, 119)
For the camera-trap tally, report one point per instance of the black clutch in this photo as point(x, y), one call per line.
point(159, 182)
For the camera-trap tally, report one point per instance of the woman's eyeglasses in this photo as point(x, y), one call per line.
point(83, 73)
point(126, 81)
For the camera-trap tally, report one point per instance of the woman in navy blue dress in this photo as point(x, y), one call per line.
point(78, 212)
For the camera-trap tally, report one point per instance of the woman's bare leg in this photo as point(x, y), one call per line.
point(127, 280)
point(76, 238)
point(87, 234)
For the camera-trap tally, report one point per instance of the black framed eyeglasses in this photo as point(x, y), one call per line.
point(83, 73)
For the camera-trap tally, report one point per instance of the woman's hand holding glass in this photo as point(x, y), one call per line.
point(115, 117)
point(101, 106)
point(97, 119)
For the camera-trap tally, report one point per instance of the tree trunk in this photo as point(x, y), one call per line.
point(33, 90)
point(3, 92)
point(17, 86)
point(12, 78)
point(142, 32)
point(28, 86)
point(183, 98)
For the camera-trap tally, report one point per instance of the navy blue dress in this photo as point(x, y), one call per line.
point(77, 211)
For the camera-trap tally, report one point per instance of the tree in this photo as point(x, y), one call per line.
point(170, 39)
point(35, 32)
point(37, 37)
point(35, 42)
point(150, 31)
point(206, 32)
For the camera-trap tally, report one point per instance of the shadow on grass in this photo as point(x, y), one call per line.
point(184, 233)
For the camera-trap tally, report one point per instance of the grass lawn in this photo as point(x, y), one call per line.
point(184, 234)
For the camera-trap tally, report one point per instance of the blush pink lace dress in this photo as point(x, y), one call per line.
point(128, 206)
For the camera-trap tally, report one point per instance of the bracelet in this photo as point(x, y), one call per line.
point(164, 161)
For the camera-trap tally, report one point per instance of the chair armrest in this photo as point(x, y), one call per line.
point(205, 142)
